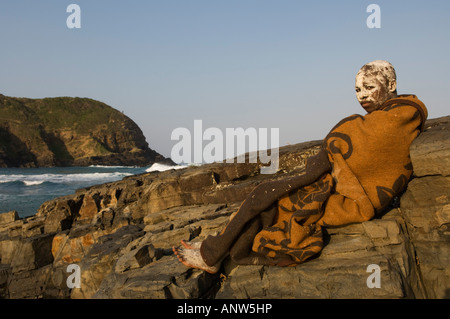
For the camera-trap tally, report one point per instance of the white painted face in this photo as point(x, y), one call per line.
point(375, 84)
point(370, 91)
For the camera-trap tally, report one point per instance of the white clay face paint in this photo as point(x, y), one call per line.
point(372, 84)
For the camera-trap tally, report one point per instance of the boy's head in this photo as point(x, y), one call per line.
point(375, 83)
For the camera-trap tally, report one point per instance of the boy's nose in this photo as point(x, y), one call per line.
point(361, 95)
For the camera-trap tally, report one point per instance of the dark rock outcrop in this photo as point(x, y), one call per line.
point(67, 131)
point(120, 235)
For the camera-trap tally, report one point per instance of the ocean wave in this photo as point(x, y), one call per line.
point(32, 183)
point(161, 167)
point(25, 189)
point(33, 180)
point(106, 166)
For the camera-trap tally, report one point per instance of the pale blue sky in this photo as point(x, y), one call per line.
point(286, 64)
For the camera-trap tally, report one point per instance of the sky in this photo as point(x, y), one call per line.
point(286, 64)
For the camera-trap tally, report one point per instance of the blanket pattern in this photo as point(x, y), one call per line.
point(363, 165)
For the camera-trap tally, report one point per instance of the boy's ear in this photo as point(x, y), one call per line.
point(392, 86)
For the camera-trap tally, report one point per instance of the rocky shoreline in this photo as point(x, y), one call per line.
point(120, 235)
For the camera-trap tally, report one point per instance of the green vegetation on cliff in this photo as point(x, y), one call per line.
point(68, 131)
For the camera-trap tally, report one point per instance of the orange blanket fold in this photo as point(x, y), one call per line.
point(364, 164)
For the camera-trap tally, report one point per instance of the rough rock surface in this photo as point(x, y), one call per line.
point(67, 131)
point(120, 235)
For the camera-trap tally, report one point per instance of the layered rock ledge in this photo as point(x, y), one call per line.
point(120, 235)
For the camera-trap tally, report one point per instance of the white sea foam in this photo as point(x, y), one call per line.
point(25, 189)
point(31, 180)
point(161, 167)
point(106, 166)
point(31, 183)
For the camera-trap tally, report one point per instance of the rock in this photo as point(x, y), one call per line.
point(29, 284)
point(163, 279)
point(90, 207)
point(138, 258)
point(32, 253)
point(59, 213)
point(8, 248)
point(5, 272)
point(427, 210)
point(9, 217)
point(426, 207)
point(121, 234)
point(341, 270)
point(429, 152)
point(99, 261)
point(68, 131)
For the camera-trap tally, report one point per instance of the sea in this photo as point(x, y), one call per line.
point(26, 189)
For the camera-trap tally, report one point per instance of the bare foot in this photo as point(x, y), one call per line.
point(189, 255)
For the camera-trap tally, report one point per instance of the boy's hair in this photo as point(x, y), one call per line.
point(382, 70)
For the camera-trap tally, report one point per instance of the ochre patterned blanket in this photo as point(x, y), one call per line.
point(363, 165)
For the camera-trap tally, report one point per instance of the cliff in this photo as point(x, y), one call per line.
point(68, 131)
point(120, 234)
